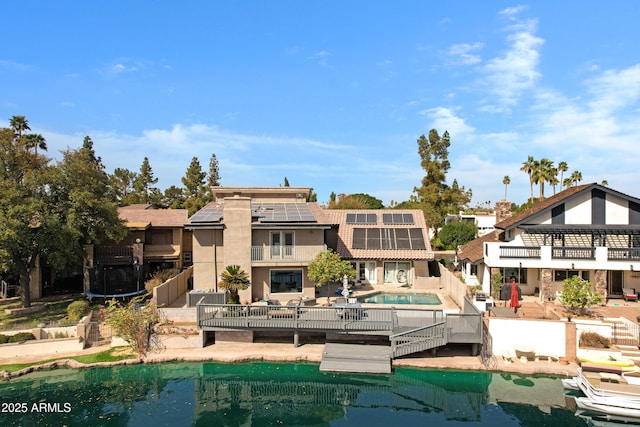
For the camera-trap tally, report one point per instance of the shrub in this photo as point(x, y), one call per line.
point(77, 309)
point(594, 340)
point(20, 336)
point(160, 277)
point(134, 322)
point(577, 294)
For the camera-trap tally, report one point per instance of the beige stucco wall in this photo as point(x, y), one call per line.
point(237, 219)
point(204, 259)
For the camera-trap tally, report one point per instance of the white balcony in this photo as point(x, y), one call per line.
point(281, 254)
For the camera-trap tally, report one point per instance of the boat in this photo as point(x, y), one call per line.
point(608, 361)
point(570, 384)
point(587, 404)
point(632, 377)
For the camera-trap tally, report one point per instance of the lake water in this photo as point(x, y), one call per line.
point(274, 394)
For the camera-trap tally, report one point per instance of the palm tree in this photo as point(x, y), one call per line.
point(527, 167)
point(576, 177)
point(234, 279)
point(506, 181)
point(562, 167)
point(543, 172)
point(19, 124)
point(567, 183)
point(604, 183)
point(35, 140)
point(554, 181)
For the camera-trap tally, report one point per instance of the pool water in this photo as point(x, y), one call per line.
point(401, 298)
point(277, 394)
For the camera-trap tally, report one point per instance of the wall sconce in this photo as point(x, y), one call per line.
point(138, 240)
point(572, 266)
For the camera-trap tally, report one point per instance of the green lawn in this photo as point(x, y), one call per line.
point(111, 355)
point(56, 310)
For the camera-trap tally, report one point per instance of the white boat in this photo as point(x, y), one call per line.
point(587, 404)
point(570, 383)
point(632, 377)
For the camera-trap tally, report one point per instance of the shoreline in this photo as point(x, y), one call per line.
point(231, 352)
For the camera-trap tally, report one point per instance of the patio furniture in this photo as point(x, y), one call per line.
point(629, 294)
point(348, 310)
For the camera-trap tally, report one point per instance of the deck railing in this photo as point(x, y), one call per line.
point(623, 254)
point(285, 253)
point(418, 339)
point(530, 252)
point(569, 252)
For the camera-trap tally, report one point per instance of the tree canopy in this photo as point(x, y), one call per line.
point(50, 211)
point(328, 267)
point(457, 233)
point(355, 201)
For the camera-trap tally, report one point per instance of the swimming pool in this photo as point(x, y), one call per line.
point(401, 298)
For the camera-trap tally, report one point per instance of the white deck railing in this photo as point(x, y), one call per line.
point(285, 253)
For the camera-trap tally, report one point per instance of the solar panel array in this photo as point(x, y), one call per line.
point(283, 212)
point(362, 218)
point(207, 215)
point(397, 218)
point(388, 238)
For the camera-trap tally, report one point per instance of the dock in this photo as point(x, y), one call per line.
point(369, 359)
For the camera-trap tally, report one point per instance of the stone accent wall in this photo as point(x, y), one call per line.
point(503, 210)
point(600, 283)
point(546, 282)
point(571, 342)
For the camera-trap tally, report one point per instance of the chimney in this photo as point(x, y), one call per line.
point(503, 210)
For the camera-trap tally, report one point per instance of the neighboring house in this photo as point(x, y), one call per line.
point(589, 231)
point(273, 233)
point(385, 246)
point(156, 241)
point(484, 222)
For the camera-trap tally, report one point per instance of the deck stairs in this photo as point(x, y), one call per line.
point(625, 335)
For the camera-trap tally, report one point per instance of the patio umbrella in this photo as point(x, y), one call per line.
point(513, 302)
point(345, 286)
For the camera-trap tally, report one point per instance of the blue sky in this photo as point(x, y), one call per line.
point(332, 94)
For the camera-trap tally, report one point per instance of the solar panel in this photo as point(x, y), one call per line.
point(207, 215)
point(397, 218)
point(417, 240)
point(362, 218)
point(388, 238)
point(283, 212)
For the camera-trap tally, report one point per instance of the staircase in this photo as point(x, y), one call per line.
point(625, 334)
point(418, 339)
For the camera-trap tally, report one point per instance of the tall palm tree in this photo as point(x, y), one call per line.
point(234, 279)
point(567, 183)
point(527, 167)
point(576, 177)
point(554, 181)
point(562, 167)
point(19, 124)
point(543, 172)
point(35, 141)
point(506, 181)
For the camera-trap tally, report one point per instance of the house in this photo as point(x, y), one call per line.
point(156, 241)
point(484, 221)
point(273, 233)
point(588, 230)
point(384, 246)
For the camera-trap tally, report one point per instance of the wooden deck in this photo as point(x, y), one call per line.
point(369, 359)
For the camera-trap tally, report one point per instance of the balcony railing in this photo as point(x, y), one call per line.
point(285, 253)
point(623, 254)
point(567, 252)
point(530, 252)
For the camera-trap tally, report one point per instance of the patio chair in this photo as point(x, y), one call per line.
point(629, 294)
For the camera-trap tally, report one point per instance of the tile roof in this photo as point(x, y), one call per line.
point(156, 217)
point(474, 251)
point(345, 235)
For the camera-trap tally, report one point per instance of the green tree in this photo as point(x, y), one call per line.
point(194, 188)
point(286, 182)
point(577, 294)
point(328, 267)
point(313, 196)
point(356, 201)
point(19, 124)
point(121, 185)
point(457, 233)
point(506, 181)
point(214, 172)
point(543, 171)
point(134, 322)
point(234, 279)
point(35, 141)
point(173, 198)
point(143, 184)
point(562, 168)
point(576, 177)
point(528, 168)
point(50, 212)
point(435, 197)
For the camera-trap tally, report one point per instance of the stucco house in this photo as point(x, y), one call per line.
point(273, 233)
point(384, 246)
point(156, 240)
point(588, 230)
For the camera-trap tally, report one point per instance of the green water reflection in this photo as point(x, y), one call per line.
point(215, 394)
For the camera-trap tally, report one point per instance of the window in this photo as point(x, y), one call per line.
point(159, 237)
point(397, 272)
point(366, 271)
point(186, 258)
point(282, 243)
point(286, 281)
point(519, 273)
point(561, 275)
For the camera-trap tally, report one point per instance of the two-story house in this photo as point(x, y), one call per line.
point(588, 230)
point(156, 241)
point(273, 233)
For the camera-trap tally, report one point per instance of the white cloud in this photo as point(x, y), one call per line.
point(443, 118)
point(462, 53)
point(14, 66)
